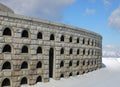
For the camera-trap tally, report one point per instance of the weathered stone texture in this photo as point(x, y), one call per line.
point(24, 54)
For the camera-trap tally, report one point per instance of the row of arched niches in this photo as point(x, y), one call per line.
point(24, 66)
point(26, 34)
point(7, 48)
point(25, 49)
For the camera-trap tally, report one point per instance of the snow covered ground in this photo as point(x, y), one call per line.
point(108, 76)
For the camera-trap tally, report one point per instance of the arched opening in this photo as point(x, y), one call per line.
point(83, 72)
point(83, 40)
point(24, 49)
point(70, 63)
point(71, 51)
point(62, 38)
point(52, 37)
point(25, 34)
point(6, 65)
point(84, 63)
point(70, 39)
point(23, 81)
point(51, 61)
point(62, 75)
point(88, 52)
point(78, 40)
point(7, 32)
point(78, 73)
point(62, 51)
point(6, 48)
point(88, 62)
point(39, 79)
point(61, 64)
point(88, 41)
point(24, 65)
point(39, 65)
point(70, 74)
point(39, 35)
point(83, 52)
point(78, 51)
point(95, 62)
point(77, 64)
point(39, 50)
point(96, 43)
point(92, 42)
point(6, 82)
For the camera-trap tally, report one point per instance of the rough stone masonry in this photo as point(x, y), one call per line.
point(34, 50)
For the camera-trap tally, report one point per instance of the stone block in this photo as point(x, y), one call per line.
point(6, 73)
point(7, 56)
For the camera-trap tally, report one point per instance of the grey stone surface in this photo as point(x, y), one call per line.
point(89, 45)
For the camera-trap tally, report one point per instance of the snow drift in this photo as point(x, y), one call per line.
point(108, 76)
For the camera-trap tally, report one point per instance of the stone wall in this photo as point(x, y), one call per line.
point(31, 45)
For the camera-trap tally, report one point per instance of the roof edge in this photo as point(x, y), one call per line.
point(47, 22)
point(4, 8)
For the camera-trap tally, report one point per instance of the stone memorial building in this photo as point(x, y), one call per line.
point(34, 50)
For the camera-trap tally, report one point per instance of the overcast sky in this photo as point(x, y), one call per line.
point(101, 16)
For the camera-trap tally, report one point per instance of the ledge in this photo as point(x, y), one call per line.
point(69, 27)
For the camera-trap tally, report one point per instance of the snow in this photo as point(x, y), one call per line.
point(108, 76)
point(111, 51)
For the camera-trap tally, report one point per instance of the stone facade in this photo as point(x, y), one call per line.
point(34, 50)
